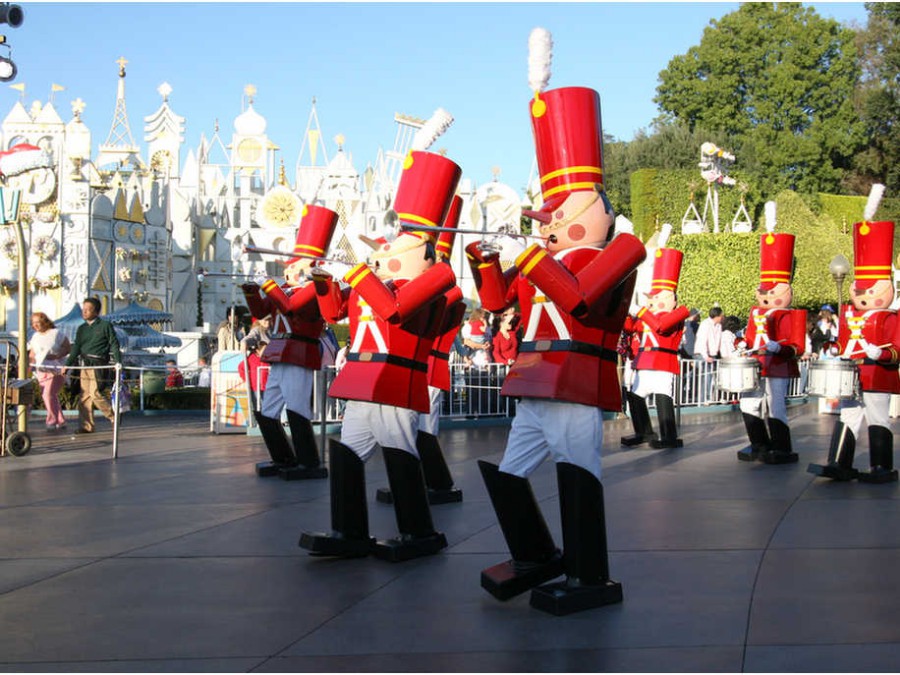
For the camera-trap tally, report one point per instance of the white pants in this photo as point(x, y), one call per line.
point(874, 408)
point(570, 432)
point(430, 422)
point(367, 424)
point(769, 399)
point(648, 382)
point(288, 386)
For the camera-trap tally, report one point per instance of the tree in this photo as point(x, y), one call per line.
point(776, 79)
point(877, 101)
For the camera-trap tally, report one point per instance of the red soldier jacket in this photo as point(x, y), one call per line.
point(439, 360)
point(660, 338)
point(394, 326)
point(573, 307)
point(296, 322)
point(877, 327)
point(785, 326)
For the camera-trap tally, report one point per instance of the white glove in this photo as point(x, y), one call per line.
point(259, 279)
point(741, 346)
point(833, 351)
point(773, 347)
point(874, 352)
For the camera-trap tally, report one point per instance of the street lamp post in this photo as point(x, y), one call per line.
point(9, 206)
point(839, 268)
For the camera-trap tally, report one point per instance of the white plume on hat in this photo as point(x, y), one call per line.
point(664, 233)
point(540, 52)
point(432, 129)
point(22, 158)
point(770, 216)
point(875, 195)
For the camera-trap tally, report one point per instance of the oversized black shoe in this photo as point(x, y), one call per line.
point(781, 451)
point(640, 421)
point(587, 584)
point(759, 439)
point(668, 427)
point(535, 558)
point(839, 465)
point(305, 449)
point(277, 444)
point(881, 457)
point(417, 536)
point(349, 536)
point(438, 481)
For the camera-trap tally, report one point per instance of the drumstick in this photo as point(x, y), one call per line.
point(852, 354)
point(751, 351)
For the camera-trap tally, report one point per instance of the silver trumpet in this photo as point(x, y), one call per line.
point(203, 274)
point(490, 243)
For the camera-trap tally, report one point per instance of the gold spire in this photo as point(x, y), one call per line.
point(282, 176)
point(121, 61)
point(250, 91)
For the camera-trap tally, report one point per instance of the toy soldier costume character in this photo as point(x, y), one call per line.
point(868, 333)
point(293, 352)
point(776, 335)
point(395, 310)
point(660, 325)
point(438, 479)
point(573, 296)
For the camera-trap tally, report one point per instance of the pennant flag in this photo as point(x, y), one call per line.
point(313, 145)
point(20, 86)
point(57, 87)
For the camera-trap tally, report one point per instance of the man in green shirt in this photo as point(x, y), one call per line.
point(95, 342)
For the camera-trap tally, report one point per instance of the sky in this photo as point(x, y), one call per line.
point(362, 62)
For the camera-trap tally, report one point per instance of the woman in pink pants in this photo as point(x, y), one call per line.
point(47, 351)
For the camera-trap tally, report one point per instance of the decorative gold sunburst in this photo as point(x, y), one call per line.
point(280, 208)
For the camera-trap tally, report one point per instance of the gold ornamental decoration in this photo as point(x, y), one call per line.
point(279, 207)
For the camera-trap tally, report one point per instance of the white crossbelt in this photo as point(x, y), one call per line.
point(367, 323)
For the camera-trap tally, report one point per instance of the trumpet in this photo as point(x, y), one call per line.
point(203, 273)
point(292, 254)
point(488, 244)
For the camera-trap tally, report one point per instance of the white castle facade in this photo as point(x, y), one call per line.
point(129, 223)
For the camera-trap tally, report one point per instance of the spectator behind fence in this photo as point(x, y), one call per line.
point(204, 373)
point(174, 378)
point(230, 332)
point(690, 334)
point(504, 340)
point(47, 352)
point(731, 326)
point(476, 336)
point(95, 343)
point(260, 331)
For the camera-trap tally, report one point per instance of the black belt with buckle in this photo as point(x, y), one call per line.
point(660, 349)
point(378, 357)
point(570, 346)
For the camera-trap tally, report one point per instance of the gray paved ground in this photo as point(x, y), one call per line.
point(175, 557)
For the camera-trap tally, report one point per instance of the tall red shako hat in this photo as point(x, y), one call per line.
point(444, 245)
point(567, 129)
point(776, 254)
point(314, 234)
point(666, 264)
point(873, 244)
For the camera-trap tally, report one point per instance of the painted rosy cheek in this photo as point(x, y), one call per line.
point(393, 265)
point(779, 302)
point(576, 232)
point(879, 302)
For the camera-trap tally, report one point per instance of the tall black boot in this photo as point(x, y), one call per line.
point(438, 480)
point(417, 534)
point(305, 450)
point(881, 457)
point(840, 456)
point(535, 558)
point(587, 583)
point(277, 444)
point(781, 452)
point(349, 536)
point(640, 420)
point(668, 428)
point(759, 439)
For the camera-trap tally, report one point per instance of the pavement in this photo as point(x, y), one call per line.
point(175, 557)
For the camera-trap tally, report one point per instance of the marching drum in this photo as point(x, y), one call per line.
point(738, 374)
point(832, 378)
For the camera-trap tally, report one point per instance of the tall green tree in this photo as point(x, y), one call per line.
point(777, 79)
point(878, 101)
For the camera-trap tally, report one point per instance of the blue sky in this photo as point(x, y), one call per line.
point(362, 62)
